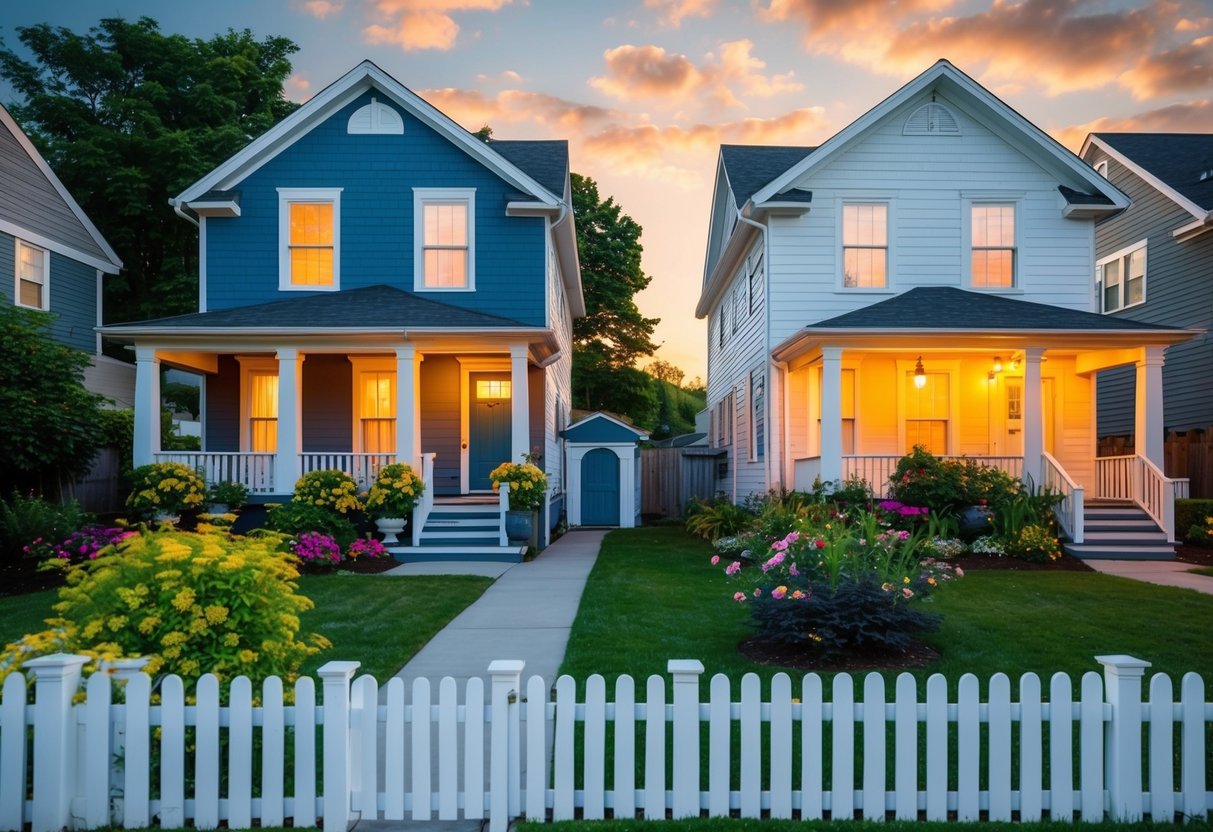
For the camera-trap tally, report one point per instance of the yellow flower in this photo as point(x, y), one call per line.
point(216, 613)
point(183, 599)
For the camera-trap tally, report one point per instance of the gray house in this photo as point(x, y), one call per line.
point(1154, 263)
point(53, 259)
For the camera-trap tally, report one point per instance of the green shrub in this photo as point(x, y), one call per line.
point(330, 489)
point(26, 521)
point(1192, 512)
point(189, 603)
point(296, 518)
point(1026, 508)
point(947, 486)
point(1036, 543)
point(715, 520)
point(165, 488)
point(1202, 533)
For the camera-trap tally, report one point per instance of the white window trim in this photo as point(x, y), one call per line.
point(841, 202)
point(752, 422)
point(421, 196)
point(1124, 277)
point(952, 370)
point(755, 269)
point(968, 202)
point(46, 275)
point(248, 366)
point(368, 364)
point(285, 197)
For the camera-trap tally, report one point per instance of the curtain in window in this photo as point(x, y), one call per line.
point(927, 413)
point(377, 412)
point(263, 413)
point(31, 270)
point(311, 243)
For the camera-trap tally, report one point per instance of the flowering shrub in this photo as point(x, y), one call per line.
point(330, 489)
point(527, 484)
point(1202, 533)
point(948, 485)
point(165, 488)
point(86, 544)
point(395, 492)
point(1035, 543)
point(366, 548)
point(189, 603)
point(231, 493)
point(943, 547)
point(295, 518)
point(989, 545)
point(317, 550)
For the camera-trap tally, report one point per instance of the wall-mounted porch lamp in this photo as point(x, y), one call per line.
point(920, 375)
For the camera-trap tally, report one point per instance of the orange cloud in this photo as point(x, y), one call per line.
point(297, 88)
point(320, 9)
point(823, 18)
point(421, 24)
point(1191, 117)
point(507, 76)
point(471, 107)
point(673, 11)
point(1183, 69)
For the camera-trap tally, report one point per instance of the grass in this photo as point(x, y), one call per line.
point(379, 621)
point(653, 597)
point(1203, 570)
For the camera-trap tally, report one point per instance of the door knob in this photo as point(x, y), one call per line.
point(464, 446)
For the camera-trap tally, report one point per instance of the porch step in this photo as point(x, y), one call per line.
point(1117, 530)
point(1119, 551)
point(444, 553)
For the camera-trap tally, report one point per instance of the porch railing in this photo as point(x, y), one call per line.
point(877, 469)
point(1070, 510)
point(362, 467)
point(425, 505)
point(1140, 480)
point(255, 471)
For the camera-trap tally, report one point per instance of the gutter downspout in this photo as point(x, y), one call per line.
point(766, 341)
point(177, 208)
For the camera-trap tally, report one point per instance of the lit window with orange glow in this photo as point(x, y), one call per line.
point(993, 232)
point(263, 412)
point(377, 413)
point(492, 389)
point(310, 233)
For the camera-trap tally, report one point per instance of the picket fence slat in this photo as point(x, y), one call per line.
point(1000, 748)
point(1195, 759)
point(842, 784)
point(473, 743)
point(566, 699)
point(172, 753)
point(206, 758)
point(305, 807)
point(13, 780)
point(654, 749)
point(240, 751)
point(905, 748)
point(1091, 751)
point(1061, 752)
point(96, 752)
point(273, 753)
point(781, 746)
point(137, 751)
point(1030, 751)
point(720, 738)
point(874, 761)
point(366, 748)
point(593, 774)
point(625, 748)
point(393, 750)
point(811, 735)
point(968, 749)
point(448, 750)
point(937, 747)
point(1159, 712)
point(420, 747)
point(751, 746)
point(536, 748)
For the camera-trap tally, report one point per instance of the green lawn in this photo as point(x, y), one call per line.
point(1203, 570)
point(653, 596)
point(379, 621)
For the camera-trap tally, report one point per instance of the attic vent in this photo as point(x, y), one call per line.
point(1206, 175)
point(931, 119)
point(376, 118)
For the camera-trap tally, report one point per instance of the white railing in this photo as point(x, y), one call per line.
point(1140, 480)
point(877, 469)
point(254, 471)
point(425, 505)
point(503, 505)
point(805, 472)
point(1180, 487)
point(1087, 749)
point(1070, 510)
point(363, 468)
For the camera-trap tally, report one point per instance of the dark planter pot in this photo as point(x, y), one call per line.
point(519, 526)
point(976, 520)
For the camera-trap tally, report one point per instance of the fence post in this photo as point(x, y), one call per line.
point(504, 751)
point(1122, 736)
point(336, 678)
point(56, 680)
point(686, 673)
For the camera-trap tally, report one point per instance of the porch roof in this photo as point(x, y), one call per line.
point(945, 312)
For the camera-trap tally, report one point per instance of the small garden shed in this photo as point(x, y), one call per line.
point(603, 471)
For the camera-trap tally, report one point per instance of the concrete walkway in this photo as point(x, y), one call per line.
point(1162, 572)
point(526, 614)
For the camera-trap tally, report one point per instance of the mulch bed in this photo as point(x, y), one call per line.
point(24, 577)
point(369, 566)
point(761, 651)
point(1065, 563)
point(1191, 553)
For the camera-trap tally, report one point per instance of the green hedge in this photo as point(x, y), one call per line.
point(1190, 513)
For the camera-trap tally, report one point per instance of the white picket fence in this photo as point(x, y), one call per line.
point(159, 759)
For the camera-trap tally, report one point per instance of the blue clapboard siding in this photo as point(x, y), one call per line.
point(378, 174)
point(328, 403)
point(1178, 293)
point(440, 403)
point(73, 292)
point(223, 407)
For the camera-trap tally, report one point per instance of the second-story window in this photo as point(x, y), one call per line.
point(33, 276)
point(310, 238)
point(865, 246)
point(993, 237)
point(444, 232)
point(1122, 278)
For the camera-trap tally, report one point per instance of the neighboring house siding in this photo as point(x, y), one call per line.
point(328, 403)
point(222, 429)
point(925, 181)
point(73, 295)
point(729, 368)
point(113, 379)
point(377, 174)
point(1179, 292)
point(557, 379)
point(440, 403)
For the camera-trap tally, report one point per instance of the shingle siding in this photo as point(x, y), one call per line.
point(1179, 292)
point(73, 295)
point(377, 174)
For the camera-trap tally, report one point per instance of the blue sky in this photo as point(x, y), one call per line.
point(646, 90)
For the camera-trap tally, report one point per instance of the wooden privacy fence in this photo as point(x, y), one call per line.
point(369, 752)
point(671, 477)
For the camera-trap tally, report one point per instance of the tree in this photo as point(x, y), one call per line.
point(51, 428)
point(613, 334)
point(665, 371)
point(128, 117)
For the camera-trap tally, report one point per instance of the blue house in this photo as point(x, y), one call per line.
point(377, 284)
point(53, 259)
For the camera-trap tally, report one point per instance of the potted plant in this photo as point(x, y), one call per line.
point(165, 489)
point(392, 497)
point(527, 484)
point(223, 496)
point(330, 489)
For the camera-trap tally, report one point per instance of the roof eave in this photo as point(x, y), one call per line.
point(734, 251)
point(1194, 229)
point(1146, 176)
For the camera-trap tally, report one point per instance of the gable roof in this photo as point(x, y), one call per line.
point(35, 206)
point(546, 161)
point(950, 80)
point(319, 107)
point(1173, 163)
point(750, 167)
point(603, 427)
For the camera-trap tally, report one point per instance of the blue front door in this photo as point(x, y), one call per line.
point(600, 488)
point(488, 427)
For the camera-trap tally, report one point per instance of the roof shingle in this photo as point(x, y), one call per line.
point(1178, 159)
point(751, 167)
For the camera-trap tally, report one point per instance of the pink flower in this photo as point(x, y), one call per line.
point(773, 562)
point(903, 535)
point(797, 595)
point(733, 568)
point(778, 592)
point(960, 573)
point(780, 545)
point(739, 597)
point(819, 543)
point(907, 592)
point(757, 592)
point(715, 559)
point(793, 571)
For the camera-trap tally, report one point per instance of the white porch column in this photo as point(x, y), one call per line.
point(1148, 424)
point(1033, 415)
point(147, 406)
point(777, 410)
point(520, 404)
point(408, 423)
point(831, 414)
point(290, 389)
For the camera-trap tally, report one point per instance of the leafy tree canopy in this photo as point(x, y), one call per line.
point(128, 117)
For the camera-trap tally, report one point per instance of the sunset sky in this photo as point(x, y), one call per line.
point(646, 90)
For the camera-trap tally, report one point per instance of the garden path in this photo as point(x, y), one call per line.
point(1163, 572)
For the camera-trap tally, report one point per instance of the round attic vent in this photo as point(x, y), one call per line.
point(931, 119)
point(376, 117)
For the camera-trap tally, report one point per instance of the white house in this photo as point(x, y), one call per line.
point(924, 277)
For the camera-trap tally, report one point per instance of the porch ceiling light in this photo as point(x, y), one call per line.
point(920, 375)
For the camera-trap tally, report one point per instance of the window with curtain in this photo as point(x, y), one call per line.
point(311, 243)
point(377, 412)
point(32, 272)
point(263, 412)
point(865, 246)
point(927, 412)
point(993, 238)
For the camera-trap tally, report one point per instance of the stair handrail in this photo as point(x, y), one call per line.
point(421, 511)
point(1154, 491)
point(503, 505)
point(1070, 511)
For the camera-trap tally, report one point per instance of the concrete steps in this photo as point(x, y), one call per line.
point(1119, 531)
point(461, 530)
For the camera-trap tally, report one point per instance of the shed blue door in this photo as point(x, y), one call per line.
point(488, 427)
point(600, 488)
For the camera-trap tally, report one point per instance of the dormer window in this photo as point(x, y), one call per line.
point(931, 119)
point(444, 239)
point(309, 233)
point(375, 118)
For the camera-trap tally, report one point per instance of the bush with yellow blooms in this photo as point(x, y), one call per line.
point(395, 491)
point(165, 488)
point(528, 484)
point(330, 488)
